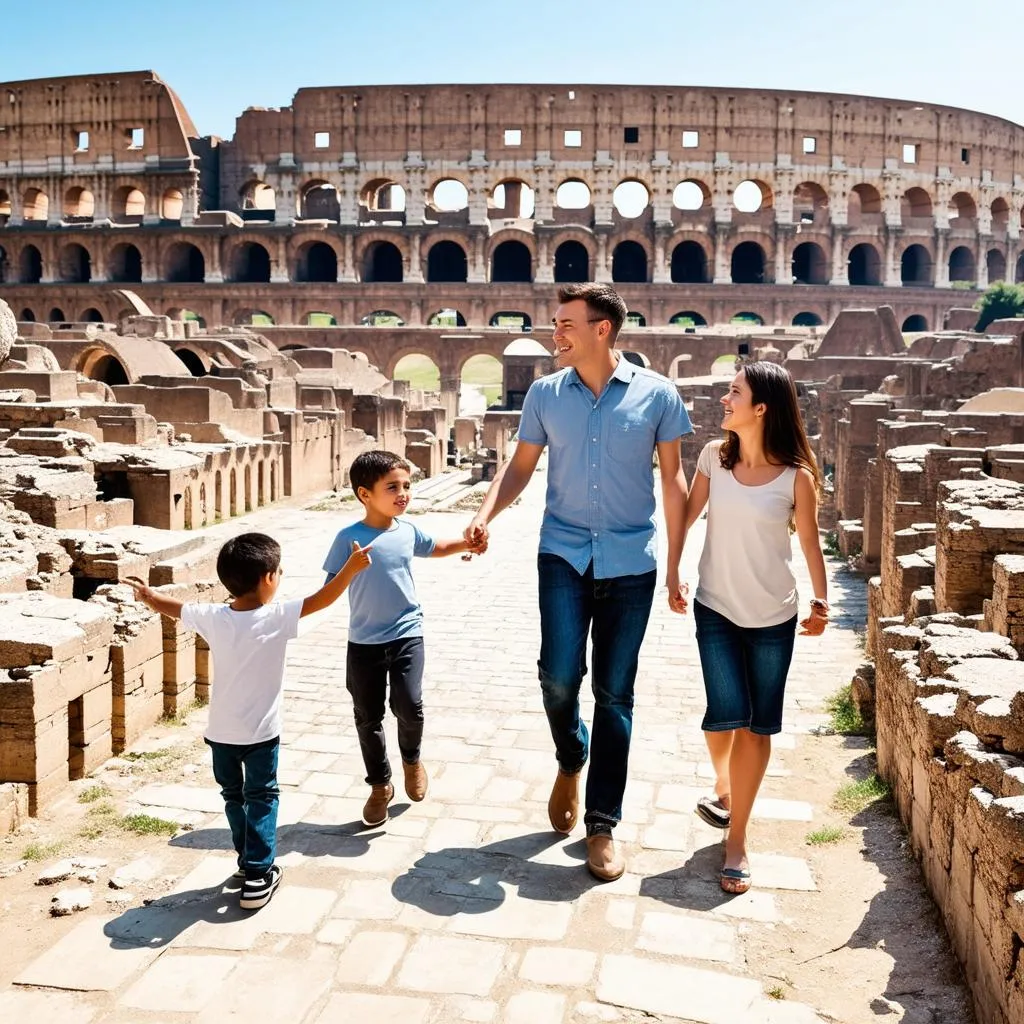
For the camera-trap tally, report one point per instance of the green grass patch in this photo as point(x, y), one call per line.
point(825, 836)
point(178, 718)
point(321, 320)
point(846, 720)
point(420, 371)
point(831, 544)
point(776, 992)
point(43, 851)
point(147, 825)
point(93, 793)
point(146, 755)
point(856, 796)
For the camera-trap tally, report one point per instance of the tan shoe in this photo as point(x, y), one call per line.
point(604, 861)
point(416, 781)
point(564, 802)
point(375, 810)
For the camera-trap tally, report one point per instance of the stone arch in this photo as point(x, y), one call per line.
point(318, 200)
point(261, 491)
point(79, 205)
point(249, 262)
point(916, 204)
point(863, 200)
point(511, 199)
point(634, 318)
point(195, 363)
point(916, 266)
point(995, 262)
point(418, 375)
point(511, 262)
point(382, 318)
point(572, 262)
point(807, 319)
point(511, 319)
point(382, 195)
point(172, 204)
point(257, 201)
point(316, 261)
point(187, 503)
point(91, 316)
point(447, 316)
point(273, 480)
point(203, 512)
point(99, 364)
point(178, 313)
point(962, 265)
point(128, 205)
point(447, 263)
point(688, 318)
point(251, 318)
point(745, 316)
point(479, 376)
point(571, 193)
point(962, 209)
point(56, 316)
point(27, 316)
point(810, 202)
point(915, 322)
point(630, 262)
point(35, 205)
point(30, 265)
point(691, 195)
point(631, 198)
point(810, 264)
point(247, 487)
point(125, 263)
point(689, 263)
point(218, 495)
point(74, 264)
point(1018, 276)
point(184, 263)
point(748, 263)
point(382, 263)
point(233, 491)
point(449, 196)
point(764, 193)
point(6, 207)
point(1000, 211)
point(864, 265)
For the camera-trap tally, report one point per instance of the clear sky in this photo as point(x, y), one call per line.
point(224, 55)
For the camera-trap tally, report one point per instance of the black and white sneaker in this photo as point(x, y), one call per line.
point(256, 892)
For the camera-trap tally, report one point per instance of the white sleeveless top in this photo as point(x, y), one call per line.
point(746, 571)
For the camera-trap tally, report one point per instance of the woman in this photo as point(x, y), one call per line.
point(757, 483)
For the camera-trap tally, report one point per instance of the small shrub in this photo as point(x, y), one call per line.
point(846, 720)
point(147, 825)
point(856, 796)
point(831, 544)
point(93, 793)
point(42, 851)
point(776, 992)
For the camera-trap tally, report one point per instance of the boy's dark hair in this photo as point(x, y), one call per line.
point(370, 467)
point(244, 560)
point(601, 300)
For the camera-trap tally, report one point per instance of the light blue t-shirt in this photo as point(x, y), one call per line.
point(382, 598)
point(600, 500)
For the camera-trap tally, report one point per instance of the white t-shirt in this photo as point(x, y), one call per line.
point(248, 667)
point(746, 567)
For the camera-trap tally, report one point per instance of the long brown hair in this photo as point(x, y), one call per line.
point(785, 440)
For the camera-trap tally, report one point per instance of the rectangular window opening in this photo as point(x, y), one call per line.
point(137, 138)
point(965, 156)
point(910, 152)
point(513, 137)
point(321, 140)
point(810, 144)
point(631, 135)
point(81, 141)
point(573, 138)
point(691, 140)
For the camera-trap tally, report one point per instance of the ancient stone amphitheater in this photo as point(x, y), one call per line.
point(386, 205)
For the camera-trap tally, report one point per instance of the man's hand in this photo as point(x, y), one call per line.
point(677, 593)
point(143, 592)
point(477, 535)
point(815, 623)
point(358, 560)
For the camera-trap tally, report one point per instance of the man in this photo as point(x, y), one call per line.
point(602, 418)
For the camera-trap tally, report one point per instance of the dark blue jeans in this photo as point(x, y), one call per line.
point(247, 776)
point(615, 613)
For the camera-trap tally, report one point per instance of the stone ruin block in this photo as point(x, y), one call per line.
point(13, 806)
point(424, 451)
point(1004, 611)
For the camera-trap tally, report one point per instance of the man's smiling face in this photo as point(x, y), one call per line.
point(579, 334)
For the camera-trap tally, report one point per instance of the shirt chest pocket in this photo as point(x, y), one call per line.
point(630, 440)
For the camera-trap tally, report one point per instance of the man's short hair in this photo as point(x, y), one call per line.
point(370, 467)
point(244, 560)
point(600, 299)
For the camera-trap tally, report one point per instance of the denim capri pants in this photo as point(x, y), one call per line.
point(744, 671)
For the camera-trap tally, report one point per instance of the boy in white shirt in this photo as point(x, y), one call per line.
point(247, 639)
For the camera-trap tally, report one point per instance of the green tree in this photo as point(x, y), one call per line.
point(1001, 301)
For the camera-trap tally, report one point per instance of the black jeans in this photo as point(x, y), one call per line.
point(369, 669)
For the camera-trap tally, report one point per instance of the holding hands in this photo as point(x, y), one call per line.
point(815, 623)
point(476, 537)
point(678, 593)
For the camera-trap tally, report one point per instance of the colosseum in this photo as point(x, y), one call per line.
point(392, 206)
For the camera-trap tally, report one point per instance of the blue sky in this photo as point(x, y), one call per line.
point(224, 55)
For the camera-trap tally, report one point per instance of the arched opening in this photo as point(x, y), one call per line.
point(916, 322)
point(258, 201)
point(723, 366)
point(446, 318)
point(449, 196)
point(250, 263)
point(109, 370)
point(1000, 214)
point(261, 498)
point(176, 313)
point(203, 517)
point(689, 263)
point(27, 316)
point(187, 515)
point(35, 205)
point(916, 266)
point(634, 319)
point(419, 371)
point(629, 263)
point(382, 318)
point(185, 264)
point(511, 320)
point(479, 385)
point(962, 209)
point(864, 265)
point(75, 264)
point(915, 205)
point(56, 316)
point(573, 194)
point(233, 492)
point(809, 264)
point(512, 199)
point(91, 316)
point(995, 261)
point(253, 318)
point(318, 319)
point(125, 263)
point(748, 264)
point(128, 206)
point(446, 263)
point(3, 265)
point(218, 495)
point(247, 487)
point(318, 200)
point(809, 201)
point(273, 481)
point(192, 362)
point(383, 196)
point(6, 209)
point(1018, 276)
point(572, 263)
point(630, 199)
point(511, 263)
point(30, 265)
point(688, 318)
point(691, 195)
point(751, 196)
point(807, 320)
point(172, 205)
point(961, 265)
point(79, 205)
point(382, 263)
point(317, 261)
point(863, 201)
point(747, 319)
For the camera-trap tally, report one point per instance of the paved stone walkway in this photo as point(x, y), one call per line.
point(467, 906)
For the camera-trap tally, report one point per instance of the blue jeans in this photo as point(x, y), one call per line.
point(247, 776)
point(615, 612)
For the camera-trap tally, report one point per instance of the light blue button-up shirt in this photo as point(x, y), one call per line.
point(600, 498)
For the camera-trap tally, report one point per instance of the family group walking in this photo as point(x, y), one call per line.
point(602, 419)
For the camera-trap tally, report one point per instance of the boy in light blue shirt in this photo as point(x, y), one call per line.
point(386, 623)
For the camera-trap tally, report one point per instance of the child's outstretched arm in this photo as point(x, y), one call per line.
point(453, 547)
point(337, 584)
point(151, 598)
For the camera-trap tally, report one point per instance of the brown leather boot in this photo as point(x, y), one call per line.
point(604, 861)
point(564, 803)
point(416, 781)
point(375, 810)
